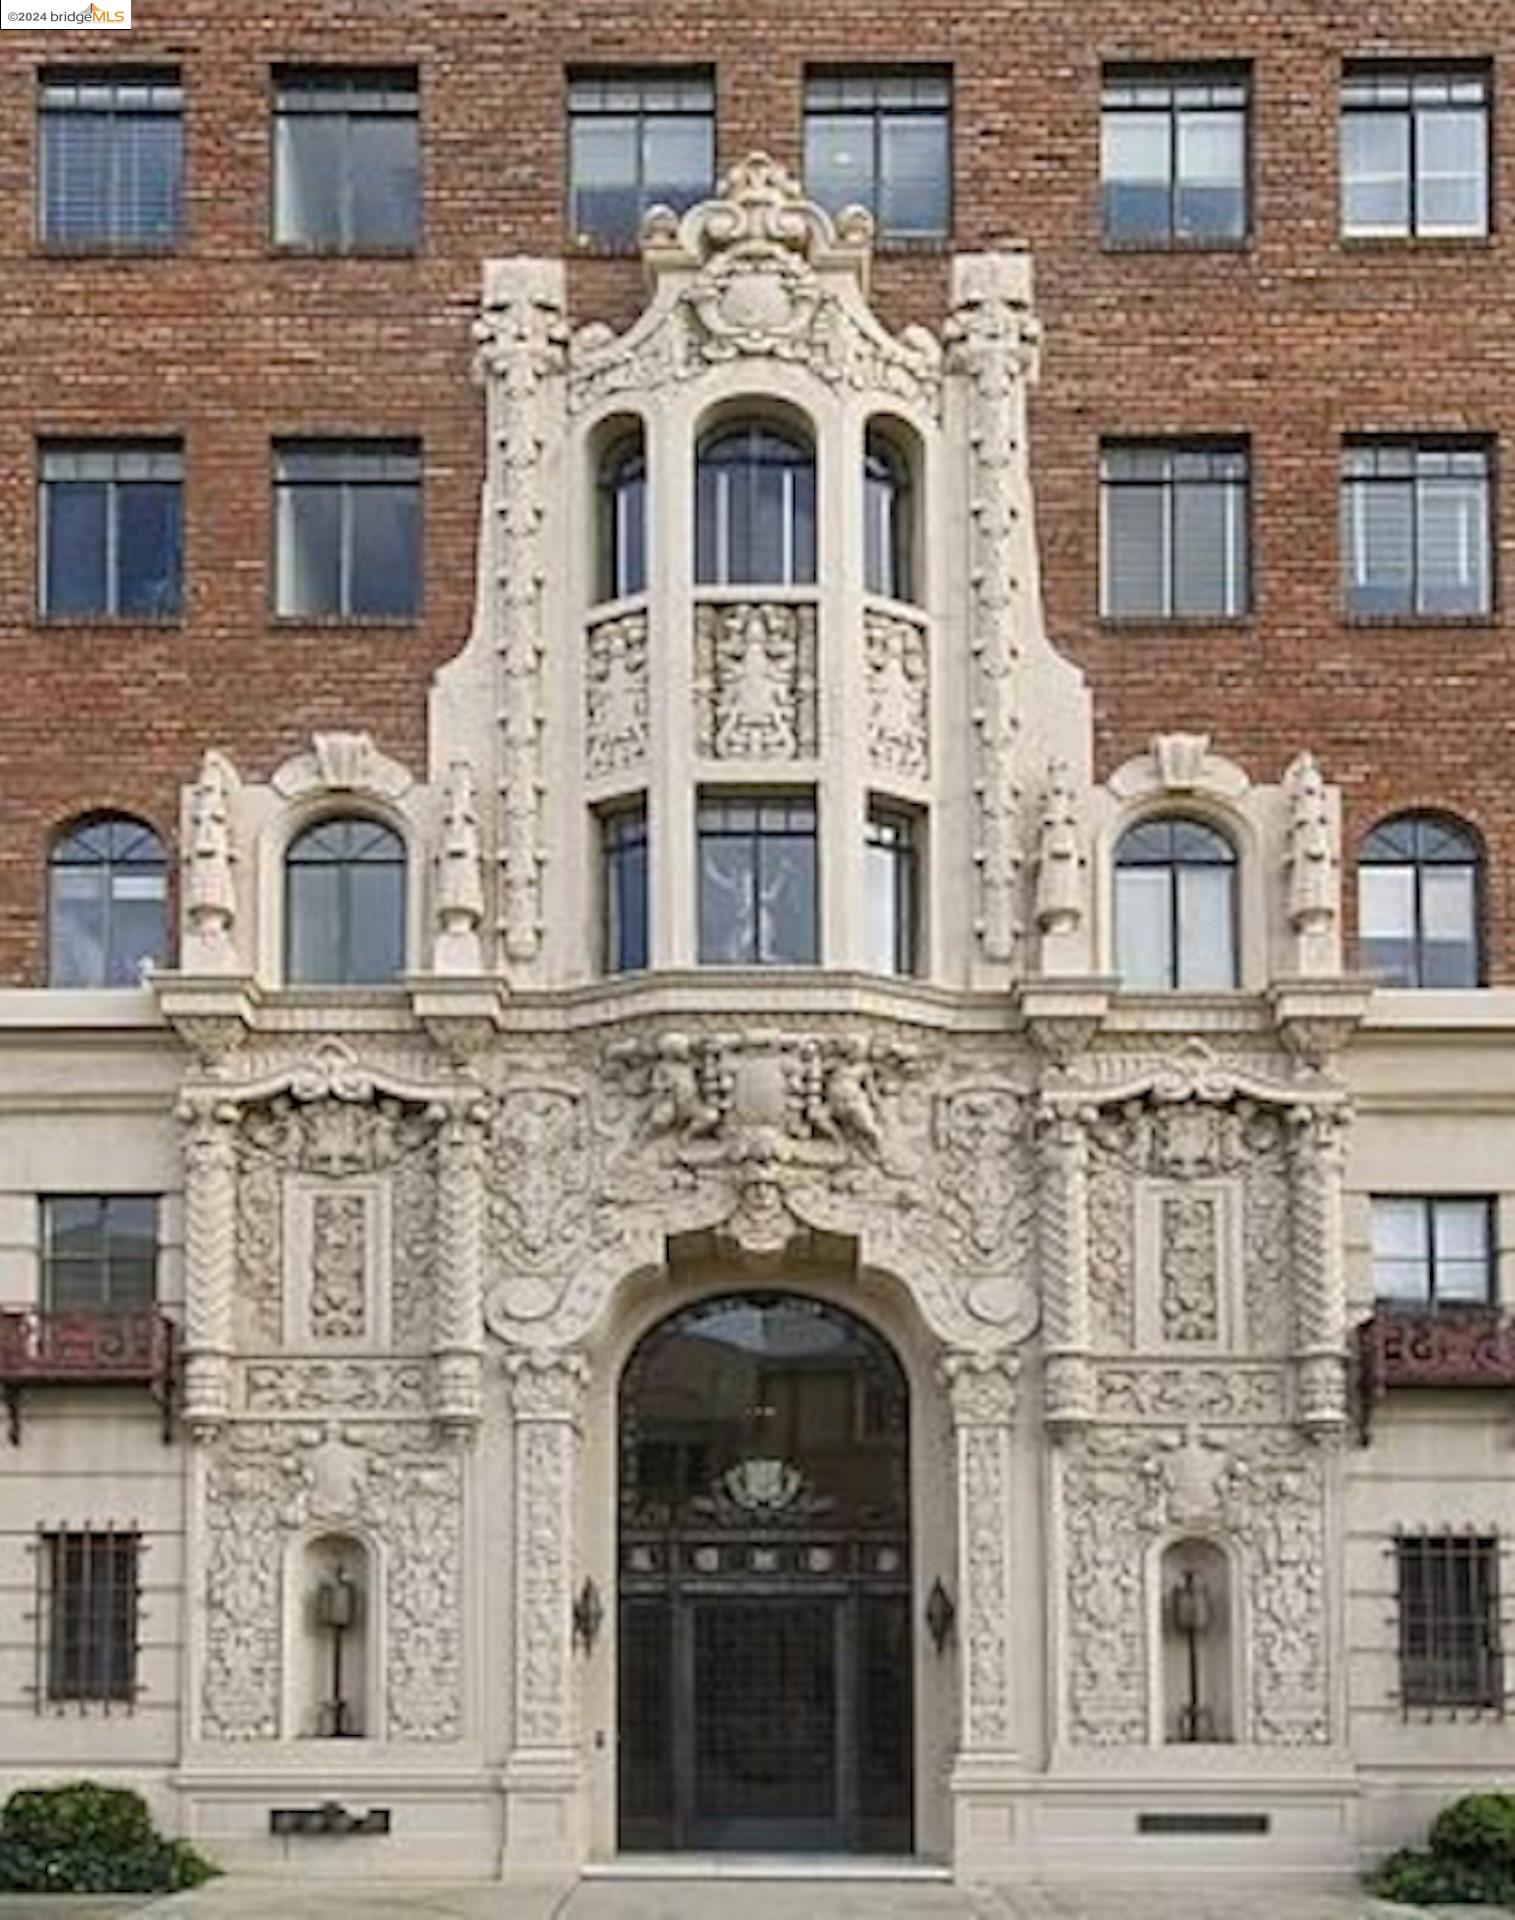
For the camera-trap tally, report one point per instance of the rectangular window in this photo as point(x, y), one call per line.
point(347, 162)
point(1415, 152)
point(89, 1612)
point(1173, 155)
point(637, 140)
point(111, 158)
point(1449, 1625)
point(1415, 528)
point(882, 139)
point(348, 529)
point(891, 889)
point(757, 880)
point(99, 1252)
point(1175, 530)
point(623, 842)
point(1433, 1250)
point(111, 523)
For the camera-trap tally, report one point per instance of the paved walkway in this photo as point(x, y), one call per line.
point(1241, 1898)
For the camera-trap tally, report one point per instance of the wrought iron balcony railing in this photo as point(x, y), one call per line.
point(86, 1347)
point(1441, 1347)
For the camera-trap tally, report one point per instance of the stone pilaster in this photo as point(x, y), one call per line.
point(458, 1349)
point(1317, 1152)
point(542, 1778)
point(210, 1264)
point(1063, 1237)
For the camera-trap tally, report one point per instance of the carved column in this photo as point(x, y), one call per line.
point(542, 1777)
point(459, 1338)
point(981, 1389)
point(1063, 1231)
point(210, 1259)
point(1317, 1152)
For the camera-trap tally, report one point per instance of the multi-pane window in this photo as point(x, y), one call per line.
point(347, 165)
point(107, 894)
point(757, 880)
point(1415, 152)
point(623, 845)
point(882, 139)
point(887, 528)
point(1175, 530)
point(90, 1596)
point(1450, 1651)
point(348, 529)
point(891, 889)
point(345, 904)
point(1173, 155)
point(1175, 906)
point(1418, 903)
point(754, 508)
point(99, 1252)
point(637, 140)
point(1433, 1250)
point(622, 564)
point(112, 530)
point(112, 158)
point(1415, 528)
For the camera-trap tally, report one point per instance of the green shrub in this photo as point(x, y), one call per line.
point(1479, 1829)
point(1429, 1880)
point(85, 1838)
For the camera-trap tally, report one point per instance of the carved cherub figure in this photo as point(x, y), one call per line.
point(678, 1104)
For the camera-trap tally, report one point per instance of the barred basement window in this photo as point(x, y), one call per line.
point(1449, 1625)
point(88, 1594)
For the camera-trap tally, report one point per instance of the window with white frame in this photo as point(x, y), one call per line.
point(1415, 528)
point(107, 906)
point(345, 904)
point(881, 138)
point(891, 888)
point(1173, 155)
point(1175, 530)
point(347, 529)
point(1433, 1250)
point(347, 159)
point(1418, 886)
point(754, 508)
point(637, 140)
point(112, 529)
point(1175, 906)
point(1415, 152)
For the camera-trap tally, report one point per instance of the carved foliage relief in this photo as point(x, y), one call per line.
point(899, 729)
point(754, 682)
point(615, 693)
point(338, 1266)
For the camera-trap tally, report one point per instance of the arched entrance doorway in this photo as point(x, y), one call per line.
point(765, 1616)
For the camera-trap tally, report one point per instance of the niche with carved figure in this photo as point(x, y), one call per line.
point(333, 1607)
point(1198, 1643)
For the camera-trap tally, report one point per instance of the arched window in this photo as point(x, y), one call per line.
point(345, 905)
point(887, 530)
point(623, 519)
point(754, 508)
point(1175, 906)
point(107, 886)
point(1417, 903)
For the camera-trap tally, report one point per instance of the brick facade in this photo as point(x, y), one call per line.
point(1294, 340)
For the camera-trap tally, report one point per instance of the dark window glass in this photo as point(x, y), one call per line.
point(112, 529)
point(882, 140)
point(637, 140)
point(1176, 530)
point(623, 839)
point(623, 520)
point(754, 509)
point(1418, 903)
point(1415, 528)
point(112, 144)
point(91, 1613)
point(1433, 1250)
point(887, 519)
point(757, 880)
point(347, 166)
point(1415, 152)
point(1173, 155)
point(107, 892)
point(99, 1252)
point(1175, 906)
point(345, 905)
point(1450, 1652)
point(348, 529)
point(891, 889)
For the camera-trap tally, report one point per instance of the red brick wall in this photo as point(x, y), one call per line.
point(1293, 341)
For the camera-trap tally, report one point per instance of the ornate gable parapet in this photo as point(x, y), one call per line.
point(758, 270)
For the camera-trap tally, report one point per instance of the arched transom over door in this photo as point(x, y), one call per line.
point(765, 1617)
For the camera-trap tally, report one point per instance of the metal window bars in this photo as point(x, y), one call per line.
point(86, 1617)
point(1451, 1653)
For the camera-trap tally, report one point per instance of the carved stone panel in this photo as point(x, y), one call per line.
point(899, 691)
point(754, 681)
point(338, 1299)
point(615, 695)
